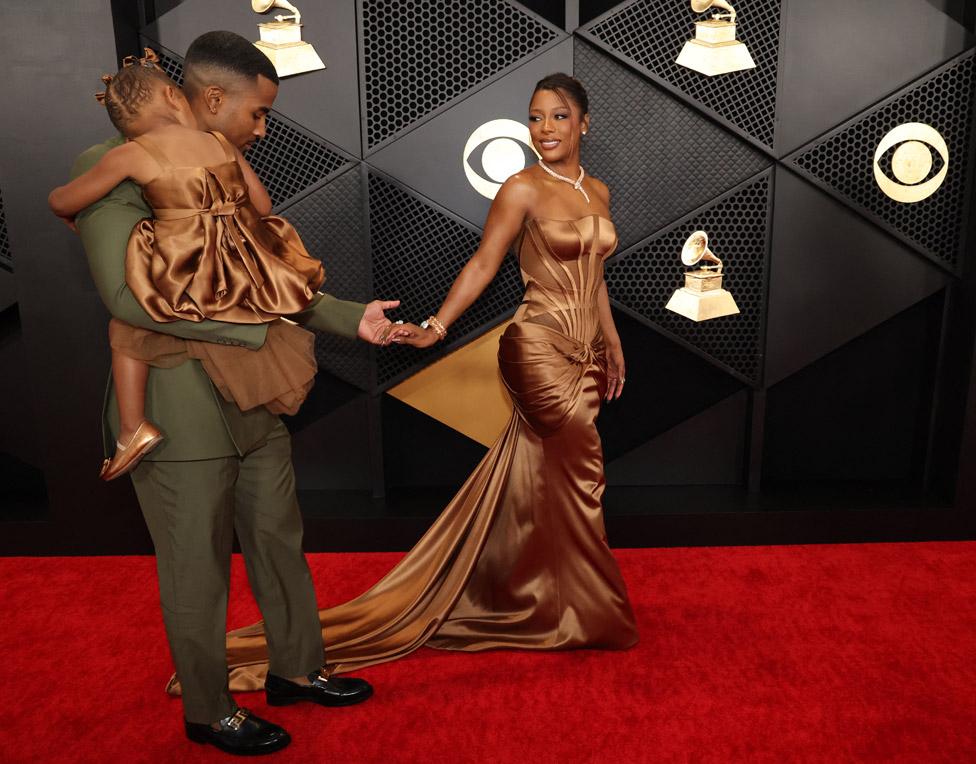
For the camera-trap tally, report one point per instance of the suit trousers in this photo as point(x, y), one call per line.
point(192, 510)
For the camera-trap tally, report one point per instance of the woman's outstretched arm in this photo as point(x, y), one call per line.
point(504, 221)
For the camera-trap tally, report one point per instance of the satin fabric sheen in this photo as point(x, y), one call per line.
point(519, 558)
point(206, 253)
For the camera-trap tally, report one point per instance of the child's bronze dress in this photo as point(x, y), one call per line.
point(207, 253)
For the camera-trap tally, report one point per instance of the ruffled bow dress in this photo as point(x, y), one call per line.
point(206, 253)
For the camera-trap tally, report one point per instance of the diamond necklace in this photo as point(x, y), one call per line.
point(577, 184)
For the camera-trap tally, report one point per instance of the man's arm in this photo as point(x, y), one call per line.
point(104, 228)
point(330, 314)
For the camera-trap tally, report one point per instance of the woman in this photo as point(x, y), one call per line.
point(519, 557)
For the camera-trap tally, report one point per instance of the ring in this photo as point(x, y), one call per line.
point(622, 380)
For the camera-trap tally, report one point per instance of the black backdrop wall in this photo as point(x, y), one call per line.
point(838, 405)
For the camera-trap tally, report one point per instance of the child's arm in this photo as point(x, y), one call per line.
point(255, 188)
point(104, 229)
point(115, 166)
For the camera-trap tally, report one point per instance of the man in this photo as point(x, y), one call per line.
point(221, 469)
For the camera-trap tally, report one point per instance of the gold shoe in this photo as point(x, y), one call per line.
point(127, 456)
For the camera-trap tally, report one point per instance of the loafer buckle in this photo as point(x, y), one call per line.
point(237, 719)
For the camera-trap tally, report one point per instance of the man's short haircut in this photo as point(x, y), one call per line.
point(225, 52)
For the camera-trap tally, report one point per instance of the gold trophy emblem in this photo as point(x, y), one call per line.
point(281, 40)
point(702, 296)
point(714, 50)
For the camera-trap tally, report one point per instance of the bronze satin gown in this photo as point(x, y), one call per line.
point(519, 558)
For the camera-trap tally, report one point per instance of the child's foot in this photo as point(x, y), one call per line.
point(128, 453)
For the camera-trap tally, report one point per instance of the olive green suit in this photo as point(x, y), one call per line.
point(219, 469)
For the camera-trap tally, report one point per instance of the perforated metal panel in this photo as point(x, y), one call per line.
point(330, 222)
point(737, 225)
point(6, 258)
point(651, 33)
point(842, 162)
point(660, 160)
point(169, 61)
point(418, 250)
point(420, 54)
point(288, 160)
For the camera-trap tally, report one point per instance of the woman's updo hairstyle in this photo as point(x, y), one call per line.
point(565, 86)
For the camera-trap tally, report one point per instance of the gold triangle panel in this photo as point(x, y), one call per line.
point(463, 390)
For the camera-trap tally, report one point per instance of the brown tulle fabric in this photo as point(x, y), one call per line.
point(207, 254)
point(278, 375)
point(519, 558)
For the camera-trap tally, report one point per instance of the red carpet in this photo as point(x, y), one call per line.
point(765, 654)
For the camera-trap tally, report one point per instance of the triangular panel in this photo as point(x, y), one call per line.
point(644, 278)
point(675, 159)
point(479, 406)
point(859, 414)
point(705, 449)
point(325, 462)
point(649, 34)
point(330, 221)
point(408, 465)
point(833, 277)
point(891, 45)
point(667, 384)
point(419, 56)
point(418, 250)
point(842, 161)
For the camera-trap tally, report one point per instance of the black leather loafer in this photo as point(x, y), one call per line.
point(324, 690)
point(241, 733)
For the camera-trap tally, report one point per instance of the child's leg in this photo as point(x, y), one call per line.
point(130, 378)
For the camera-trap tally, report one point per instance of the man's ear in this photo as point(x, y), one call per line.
point(214, 96)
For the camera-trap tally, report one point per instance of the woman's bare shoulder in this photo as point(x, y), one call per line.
point(521, 189)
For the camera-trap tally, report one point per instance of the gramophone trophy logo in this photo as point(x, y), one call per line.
point(281, 40)
point(714, 50)
point(702, 296)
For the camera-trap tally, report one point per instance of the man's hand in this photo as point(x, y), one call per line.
point(375, 328)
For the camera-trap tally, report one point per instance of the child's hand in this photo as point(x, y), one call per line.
point(70, 222)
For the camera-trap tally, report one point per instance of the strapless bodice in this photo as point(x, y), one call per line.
point(562, 268)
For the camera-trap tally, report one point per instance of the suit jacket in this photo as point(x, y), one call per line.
point(197, 421)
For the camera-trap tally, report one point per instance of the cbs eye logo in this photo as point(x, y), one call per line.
point(494, 152)
point(919, 162)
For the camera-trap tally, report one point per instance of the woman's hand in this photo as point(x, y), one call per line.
point(616, 371)
point(413, 335)
point(69, 221)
